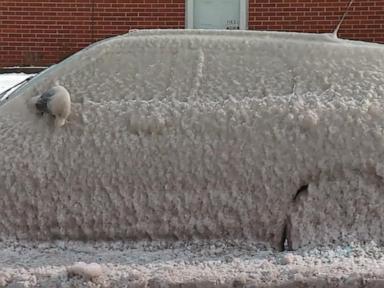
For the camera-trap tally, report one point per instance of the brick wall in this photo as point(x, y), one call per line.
point(42, 32)
point(365, 19)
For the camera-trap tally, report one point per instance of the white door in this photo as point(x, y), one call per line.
point(216, 14)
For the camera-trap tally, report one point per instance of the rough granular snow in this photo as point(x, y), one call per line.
point(188, 264)
point(89, 272)
point(182, 135)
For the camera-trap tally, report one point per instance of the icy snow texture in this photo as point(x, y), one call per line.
point(192, 134)
point(87, 271)
point(223, 264)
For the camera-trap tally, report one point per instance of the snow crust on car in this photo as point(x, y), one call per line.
point(201, 135)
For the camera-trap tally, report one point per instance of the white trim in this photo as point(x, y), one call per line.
point(189, 11)
point(243, 14)
point(189, 14)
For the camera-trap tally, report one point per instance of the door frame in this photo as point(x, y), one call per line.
point(189, 11)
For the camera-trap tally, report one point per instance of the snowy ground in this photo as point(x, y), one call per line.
point(9, 80)
point(186, 264)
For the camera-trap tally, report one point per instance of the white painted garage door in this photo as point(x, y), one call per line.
point(216, 14)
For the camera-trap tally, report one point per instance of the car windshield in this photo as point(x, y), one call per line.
point(11, 83)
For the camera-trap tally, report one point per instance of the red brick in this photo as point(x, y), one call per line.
point(41, 26)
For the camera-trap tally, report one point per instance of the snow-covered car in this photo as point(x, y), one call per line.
point(273, 137)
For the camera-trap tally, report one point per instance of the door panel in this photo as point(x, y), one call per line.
point(216, 14)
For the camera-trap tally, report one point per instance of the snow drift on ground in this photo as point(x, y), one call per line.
point(187, 264)
point(179, 135)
